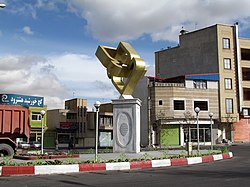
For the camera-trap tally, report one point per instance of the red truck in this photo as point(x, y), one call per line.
point(14, 123)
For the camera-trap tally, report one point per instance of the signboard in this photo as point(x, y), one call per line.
point(66, 125)
point(21, 100)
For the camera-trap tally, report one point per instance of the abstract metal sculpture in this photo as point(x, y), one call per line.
point(124, 67)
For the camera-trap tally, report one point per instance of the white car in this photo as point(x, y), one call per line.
point(35, 145)
point(23, 145)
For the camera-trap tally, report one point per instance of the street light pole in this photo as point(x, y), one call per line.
point(2, 5)
point(211, 128)
point(42, 112)
point(197, 110)
point(97, 106)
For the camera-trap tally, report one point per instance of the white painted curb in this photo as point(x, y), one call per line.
point(75, 168)
point(194, 160)
point(230, 154)
point(118, 166)
point(51, 169)
point(218, 157)
point(161, 163)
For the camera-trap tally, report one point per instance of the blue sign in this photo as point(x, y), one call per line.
point(209, 76)
point(21, 100)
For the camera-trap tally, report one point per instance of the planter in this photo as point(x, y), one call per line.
point(39, 157)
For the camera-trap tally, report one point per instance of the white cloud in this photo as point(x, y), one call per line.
point(56, 77)
point(150, 70)
point(77, 67)
point(83, 75)
point(24, 75)
point(31, 9)
point(128, 19)
point(27, 30)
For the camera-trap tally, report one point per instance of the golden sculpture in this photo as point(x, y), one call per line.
point(124, 66)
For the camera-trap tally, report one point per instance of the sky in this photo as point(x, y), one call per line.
point(47, 48)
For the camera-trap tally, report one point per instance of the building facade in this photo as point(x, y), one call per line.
point(36, 121)
point(172, 114)
point(76, 124)
point(168, 109)
point(142, 92)
point(215, 49)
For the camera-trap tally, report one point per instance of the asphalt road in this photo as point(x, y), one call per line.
point(231, 172)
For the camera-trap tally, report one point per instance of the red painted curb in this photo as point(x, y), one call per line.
point(30, 170)
point(92, 167)
point(208, 158)
point(141, 164)
point(179, 161)
point(226, 155)
point(18, 170)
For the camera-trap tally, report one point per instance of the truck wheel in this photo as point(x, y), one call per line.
point(6, 150)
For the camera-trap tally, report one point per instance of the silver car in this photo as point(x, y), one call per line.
point(23, 145)
point(35, 145)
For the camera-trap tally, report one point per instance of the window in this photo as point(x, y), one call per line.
point(246, 94)
point(246, 74)
point(227, 63)
point(226, 43)
point(85, 111)
point(179, 105)
point(80, 127)
point(71, 116)
point(228, 84)
point(160, 102)
point(63, 138)
point(229, 106)
point(36, 116)
point(245, 54)
point(200, 84)
point(204, 134)
point(203, 105)
point(81, 111)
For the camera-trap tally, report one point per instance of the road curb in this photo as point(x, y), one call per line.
point(75, 168)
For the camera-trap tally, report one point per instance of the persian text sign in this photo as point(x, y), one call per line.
point(66, 125)
point(21, 100)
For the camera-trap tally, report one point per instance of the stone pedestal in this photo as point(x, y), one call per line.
point(126, 125)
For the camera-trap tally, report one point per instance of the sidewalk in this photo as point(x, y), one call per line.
point(146, 155)
point(109, 166)
point(143, 154)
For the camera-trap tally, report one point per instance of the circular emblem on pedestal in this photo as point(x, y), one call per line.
point(124, 129)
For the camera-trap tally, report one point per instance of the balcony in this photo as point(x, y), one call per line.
point(106, 126)
point(160, 84)
point(106, 123)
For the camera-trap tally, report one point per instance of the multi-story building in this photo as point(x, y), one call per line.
point(36, 121)
point(170, 107)
point(76, 124)
point(106, 125)
point(69, 123)
point(142, 92)
point(215, 49)
point(172, 103)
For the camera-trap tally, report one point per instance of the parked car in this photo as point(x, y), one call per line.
point(35, 145)
point(23, 145)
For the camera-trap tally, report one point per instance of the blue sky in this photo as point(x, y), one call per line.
point(48, 48)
